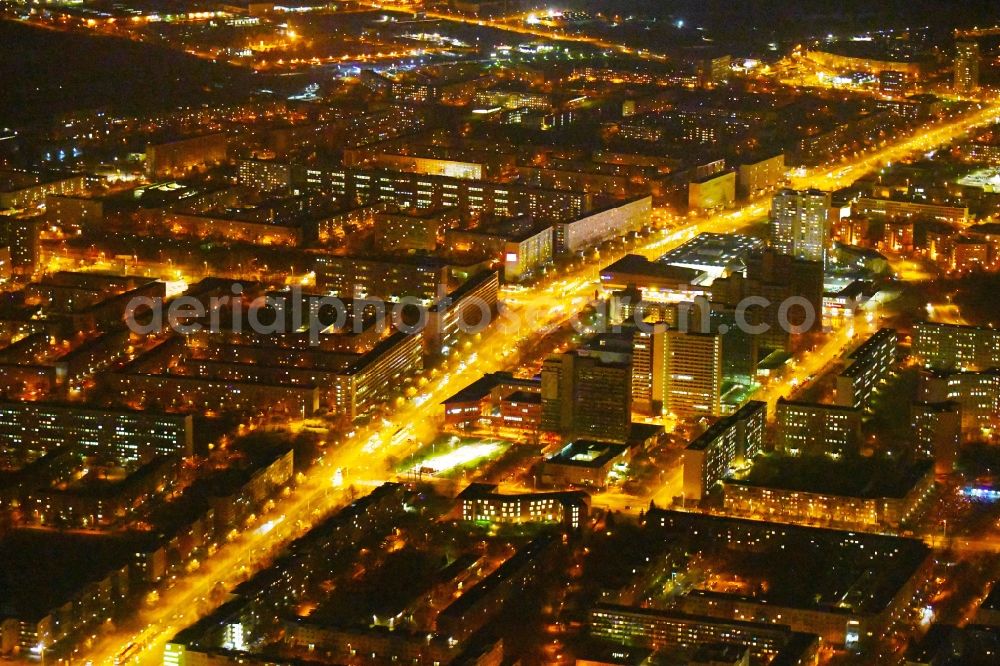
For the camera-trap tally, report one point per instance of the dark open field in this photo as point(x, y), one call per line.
point(44, 73)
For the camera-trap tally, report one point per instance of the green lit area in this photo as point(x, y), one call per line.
point(450, 455)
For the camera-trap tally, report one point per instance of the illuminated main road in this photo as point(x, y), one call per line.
point(926, 139)
point(364, 457)
point(515, 24)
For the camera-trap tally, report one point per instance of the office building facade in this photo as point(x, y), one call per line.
point(977, 394)
point(39, 427)
point(693, 369)
point(800, 223)
point(730, 441)
point(583, 396)
point(869, 365)
point(812, 428)
point(386, 277)
point(967, 57)
point(954, 347)
point(937, 432)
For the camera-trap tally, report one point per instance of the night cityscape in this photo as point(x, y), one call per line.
point(499, 333)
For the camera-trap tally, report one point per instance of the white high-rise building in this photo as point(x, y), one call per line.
point(800, 223)
point(966, 67)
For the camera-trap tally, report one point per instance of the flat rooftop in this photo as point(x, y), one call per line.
point(709, 250)
point(11, 181)
point(515, 230)
point(864, 478)
point(615, 342)
point(846, 287)
point(816, 406)
point(635, 264)
point(879, 339)
point(826, 570)
point(587, 453)
point(533, 397)
point(426, 260)
point(481, 490)
point(714, 431)
point(482, 387)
